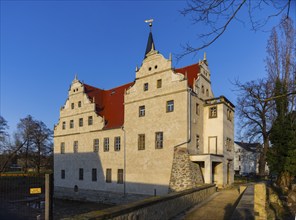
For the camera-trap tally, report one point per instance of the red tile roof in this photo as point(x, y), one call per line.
point(192, 73)
point(109, 104)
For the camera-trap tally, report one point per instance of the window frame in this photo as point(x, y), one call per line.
point(106, 144)
point(75, 147)
point(159, 83)
point(141, 141)
point(142, 111)
point(90, 120)
point(170, 106)
point(117, 143)
point(119, 176)
point(79, 104)
point(159, 142)
point(81, 174)
point(96, 145)
point(94, 175)
point(72, 105)
point(71, 124)
point(62, 148)
point(108, 175)
point(213, 112)
point(80, 122)
point(63, 125)
point(63, 174)
point(145, 87)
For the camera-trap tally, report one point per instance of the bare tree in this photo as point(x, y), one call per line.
point(217, 15)
point(255, 117)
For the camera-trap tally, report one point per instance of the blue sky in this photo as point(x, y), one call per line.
point(45, 43)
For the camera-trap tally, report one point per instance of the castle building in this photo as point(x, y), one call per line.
point(163, 132)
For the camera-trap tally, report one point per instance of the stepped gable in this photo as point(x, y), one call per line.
point(192, 73)
point(109, 104)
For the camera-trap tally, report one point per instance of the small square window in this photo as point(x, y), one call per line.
point(170, 106)
point(79, 104)
point(159, 83)
point(117, 144)
point(159, 140)
point(120, 176)
point(80, 122)
point(142, 111)
point(63, 174)
point(71, 123)
point(62, 147)
point(141, 142)
point(80, 174)
point(75, 146)
point(64, 125)
point(106, 144)
point(213, 112)
point(96, 145)
point(108, 175)
point(145, 86)
point(72, 105)
point(94, 175)
point(90, 120)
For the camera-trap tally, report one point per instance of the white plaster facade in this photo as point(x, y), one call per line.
point(179, 111)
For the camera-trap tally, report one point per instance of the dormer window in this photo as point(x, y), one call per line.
point(145, 86)
point(79, 104)
point(72, 105)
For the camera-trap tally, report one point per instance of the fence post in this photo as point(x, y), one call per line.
point(48, 196)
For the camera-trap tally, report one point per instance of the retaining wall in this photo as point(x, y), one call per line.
point(164, 207)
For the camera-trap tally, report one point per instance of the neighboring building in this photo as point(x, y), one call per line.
point(163, 132)
point(246, 157)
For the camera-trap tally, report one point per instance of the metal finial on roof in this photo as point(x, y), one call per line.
point(150, 23)
point(205, 56)
point(75, 77)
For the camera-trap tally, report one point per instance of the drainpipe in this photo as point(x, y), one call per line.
point(124, 161)
point(188, 118)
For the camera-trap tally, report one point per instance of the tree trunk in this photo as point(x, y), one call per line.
point(284, 180)
point(262, 159)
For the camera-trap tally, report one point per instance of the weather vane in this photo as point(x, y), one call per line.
point(150, 23)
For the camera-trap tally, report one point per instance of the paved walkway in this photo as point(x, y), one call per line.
point(218, 206)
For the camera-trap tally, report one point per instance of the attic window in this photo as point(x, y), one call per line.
point(113, 92)
point(149, 68)
point(155, 67)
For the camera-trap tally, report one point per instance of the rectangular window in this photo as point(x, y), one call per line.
point(75, 146)
point(142, 111)
point(117, 144)
point(229, 114)
point(72, 105)
point(108, 176)
point(62, 147)
point(80, 173)
point(159, 140)
point(197, 142)
point(80, 122)
point(94, 174)
point(71, 123)
point(197, 109)
point(170, 106)
point(159, 83)
point(96, 145)
point(145, 86)
point(106, 144)
point(90, 120)
point(63, 174)
point(64, 125)
point(228, 144)
point(120, 176)
point(141, 142)
point(213, 112)
point(79, 104)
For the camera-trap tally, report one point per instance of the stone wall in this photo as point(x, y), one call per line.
point(185, 174)
point(155, 208)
